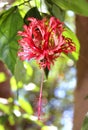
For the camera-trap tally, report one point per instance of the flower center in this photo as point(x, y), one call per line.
point(37, 38)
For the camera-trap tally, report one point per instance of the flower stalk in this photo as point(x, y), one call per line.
point(40, 96)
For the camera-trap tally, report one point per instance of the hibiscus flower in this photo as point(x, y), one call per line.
point(43, 41)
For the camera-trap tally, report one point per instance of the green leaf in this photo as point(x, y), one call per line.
point(33, 12)
point(26, 106)
point(85, 123)
point(10, 22)
point(72, 35)
point(58, 12)
point(20, 71)
point(23, 71)
point(78, 6)
point(55, 10)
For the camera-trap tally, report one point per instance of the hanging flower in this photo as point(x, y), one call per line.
point(43, 40)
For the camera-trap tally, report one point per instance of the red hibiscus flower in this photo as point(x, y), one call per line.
point(43, 41)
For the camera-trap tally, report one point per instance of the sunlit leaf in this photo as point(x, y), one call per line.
point(26, 106)
point(4, 108)
point(72, 35)
point(2, 77)
point(13, 83)
point(2, 127)
point(22, 5)
point(17, 2)
point(49, 128)
point(34, 119)
point(19, 84)
point(28, 68)
point(73, 5)
point(11, 120)
point(10, 23)
point(38, 4)
point(31, 87)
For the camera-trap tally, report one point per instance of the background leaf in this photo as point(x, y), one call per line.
point(10, 22)
point(78, 6)
point(25, 106)
point(55, 10)
point(85, 123)
point(23, 71)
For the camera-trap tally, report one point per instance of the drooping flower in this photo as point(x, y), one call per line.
point(43, 40)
